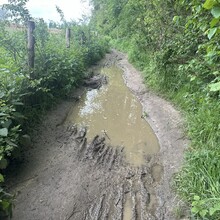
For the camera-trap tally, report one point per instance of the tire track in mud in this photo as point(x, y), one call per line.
point(127, 194)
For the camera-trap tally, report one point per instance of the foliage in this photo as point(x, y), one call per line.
point(61, 14)
point(10, 84)
point(176, 45)
point(5, 201)
point(17, 10)
point(57, 71)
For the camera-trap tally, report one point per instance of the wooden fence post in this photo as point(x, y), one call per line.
point(68, 37)
point(31, 44)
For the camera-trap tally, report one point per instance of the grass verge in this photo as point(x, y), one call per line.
point(198, 183)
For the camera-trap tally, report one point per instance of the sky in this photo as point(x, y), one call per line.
point(46, 9)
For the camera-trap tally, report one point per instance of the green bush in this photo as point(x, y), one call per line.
point(57, 71)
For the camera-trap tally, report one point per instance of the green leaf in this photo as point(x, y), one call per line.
point(2, 94)
point(216, 73)
point(216, 12)
point(192, 78)
point(214, 87)
point(1, 178)
point(195, 210)
point(5, 204)
point(196, 198)
point(213, 22)
point(212, 32)
point(10, 143)
point(2, 114)
point(212, 210)
point(175, 18)
point(203, 212)
point(209, 4)
point(4, 132)
point(7, 124)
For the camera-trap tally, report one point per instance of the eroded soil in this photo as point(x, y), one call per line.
point(64, 176)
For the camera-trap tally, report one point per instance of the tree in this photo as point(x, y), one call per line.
point(18, 11)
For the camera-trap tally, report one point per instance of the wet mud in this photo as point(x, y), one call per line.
point(73, 173)
point(123, 190)
point(116, 113)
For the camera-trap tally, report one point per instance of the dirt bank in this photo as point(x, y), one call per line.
point(64, 177)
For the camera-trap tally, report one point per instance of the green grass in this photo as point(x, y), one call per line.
point(198, 183)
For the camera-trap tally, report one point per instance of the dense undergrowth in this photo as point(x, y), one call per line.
point(58, 70)
point(176, 45)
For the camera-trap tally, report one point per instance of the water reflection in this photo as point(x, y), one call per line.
point(116, 110)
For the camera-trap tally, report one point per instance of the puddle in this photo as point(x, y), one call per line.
point(115, 111)
point(127, 212)
point(157, 171)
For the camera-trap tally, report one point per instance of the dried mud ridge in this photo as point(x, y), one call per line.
point(64, 177)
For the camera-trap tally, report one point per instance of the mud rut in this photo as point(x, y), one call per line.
point(109, 181)
point(64, 177)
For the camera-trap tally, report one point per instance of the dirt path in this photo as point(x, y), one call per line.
point(63, 177)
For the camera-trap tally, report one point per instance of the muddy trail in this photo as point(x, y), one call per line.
point(71, 171)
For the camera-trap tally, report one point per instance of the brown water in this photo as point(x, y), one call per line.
point(127, 212)
point(116, 112)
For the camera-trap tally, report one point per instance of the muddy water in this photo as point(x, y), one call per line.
point(114, 111)
point(127, 211)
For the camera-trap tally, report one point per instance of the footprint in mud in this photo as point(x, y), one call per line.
point(157, 172)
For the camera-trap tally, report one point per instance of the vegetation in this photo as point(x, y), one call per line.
point(174, 42)
point(176, 45)
point(57, 71)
